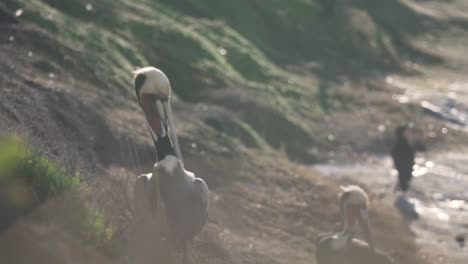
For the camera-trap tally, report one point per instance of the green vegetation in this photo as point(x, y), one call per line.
point(244, 43)
point(18, 162)
point(284, 56)
point(28, 180)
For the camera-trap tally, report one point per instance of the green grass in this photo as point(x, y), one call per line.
point(185, 39)
point(212, 47)
point(28, 180)
point(16, 161)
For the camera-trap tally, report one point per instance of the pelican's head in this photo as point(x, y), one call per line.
point(354, 205)
point(153, 91)
point(151, 81)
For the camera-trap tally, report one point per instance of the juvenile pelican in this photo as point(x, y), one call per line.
point(185, 197)
point(342, 247)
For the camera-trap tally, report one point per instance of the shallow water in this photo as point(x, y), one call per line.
point(439, 193)
point(447, 102)
point(440, 187)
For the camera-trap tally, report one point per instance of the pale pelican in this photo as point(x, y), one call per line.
point(342, 247)
point(184, 196)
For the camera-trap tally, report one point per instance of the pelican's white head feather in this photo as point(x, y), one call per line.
point(355, 195)
point(156, 81)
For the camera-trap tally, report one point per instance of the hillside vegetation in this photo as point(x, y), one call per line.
point(29, 181)
point(278, 66)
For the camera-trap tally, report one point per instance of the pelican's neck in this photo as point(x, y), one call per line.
point(163, 147)
point(340, 240)
point(348, 228)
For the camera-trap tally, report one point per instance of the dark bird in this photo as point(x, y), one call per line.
point(403, 158)
point(460, 238)
point(184, 197)
point(342, 247)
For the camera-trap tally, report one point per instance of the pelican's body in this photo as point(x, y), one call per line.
point(342, 247)
point(146, 198)
point(356, 251)
point(183, 196)
point(403, 155)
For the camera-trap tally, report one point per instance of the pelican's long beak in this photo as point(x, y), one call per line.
point(365, 225)
point(160, 120)
point(172, 131)
point(152, 106)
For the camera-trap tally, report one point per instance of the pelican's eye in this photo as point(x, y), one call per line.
point(162, 97)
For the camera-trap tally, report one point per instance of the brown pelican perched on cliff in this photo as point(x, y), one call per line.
point(185, 197)
point(342, 247)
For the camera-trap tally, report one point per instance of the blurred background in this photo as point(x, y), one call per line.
point(275, 104)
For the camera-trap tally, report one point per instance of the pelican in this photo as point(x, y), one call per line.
point(342, 247)
point(184, 197)
point(403, 158)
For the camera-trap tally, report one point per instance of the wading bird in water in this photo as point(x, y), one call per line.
point(342, 247)
point(184, 196)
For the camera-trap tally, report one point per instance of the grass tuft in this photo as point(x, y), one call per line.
point(28, 180)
